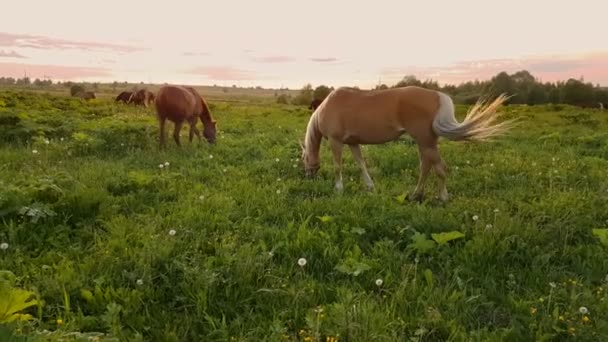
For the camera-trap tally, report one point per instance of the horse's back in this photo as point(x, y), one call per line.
point(377, 116)
point(176, 102)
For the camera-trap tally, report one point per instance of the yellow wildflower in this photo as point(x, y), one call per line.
point(586, 319)
point(561, 318)
point(533, 310)
point(59, 321)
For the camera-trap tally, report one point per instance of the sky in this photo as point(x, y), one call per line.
point(287, 43)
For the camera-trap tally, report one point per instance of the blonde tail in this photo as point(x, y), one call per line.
point(478, 123)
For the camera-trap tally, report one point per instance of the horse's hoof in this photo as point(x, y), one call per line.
point(416, 197)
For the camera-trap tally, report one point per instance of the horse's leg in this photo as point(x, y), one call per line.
point(425, 168)
point(194, 130)
point(356, 150)
point(336, 148)
point(439, 166)
point(163, 133)
point(178, 127)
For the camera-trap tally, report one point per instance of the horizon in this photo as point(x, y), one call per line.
point(274, 45)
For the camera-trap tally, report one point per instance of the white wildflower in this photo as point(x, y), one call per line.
point(270, 254)
point(46, 141)
point(475, 217)
point(379, 282)
point(278, 191)
point(302, 262)
point(140, 282)
point(4, 246)
point(496, 211)
point(61, 139)
point(166, 164)
point(161, 166)
point(201, 197)
point(552, 284)
point(172, 232)
point(211, 156)
point(583, 310)
point(277, 160)
point(35, 151)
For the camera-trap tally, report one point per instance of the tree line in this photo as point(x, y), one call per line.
point(521, 86)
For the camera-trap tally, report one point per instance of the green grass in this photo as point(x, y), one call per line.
point(88, 218)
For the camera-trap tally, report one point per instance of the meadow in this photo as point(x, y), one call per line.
point(106, 238)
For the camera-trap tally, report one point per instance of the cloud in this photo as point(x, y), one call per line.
point(323, 59)
point(52, 71)
point(195, 54)
point(11, 54)
point(594, 67)
point(47, 43)
point(227, 73)
point(273, 59)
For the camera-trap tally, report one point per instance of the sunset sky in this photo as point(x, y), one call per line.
point(289, 43)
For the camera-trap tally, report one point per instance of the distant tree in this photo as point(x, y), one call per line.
point(381, 87)
point(305, 96)
point(75, 89)
point(575, 92)
point(283, 98)
point(321, 92)
point(409, 80)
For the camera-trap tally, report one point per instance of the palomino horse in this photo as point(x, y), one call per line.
point(354, 117)
point(180, 104)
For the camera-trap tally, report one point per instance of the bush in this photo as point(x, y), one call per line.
point(75, 89)
point(283, 98)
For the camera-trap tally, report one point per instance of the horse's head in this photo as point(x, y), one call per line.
point(311, 164)
point(209, 132)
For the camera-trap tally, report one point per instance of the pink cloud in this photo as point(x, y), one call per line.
point(227, 73)
point(191, 54)
point(593, 67)
point(47, 43)
point(52, 71)
point(274, 59)
point(11, 54)
point(324, 59)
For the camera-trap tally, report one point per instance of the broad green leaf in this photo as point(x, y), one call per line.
point(14, 300)
point(602, 235)
point(421, 243)
point(401, 198)
point(325, 218)
point(443, 238)
point(428, 275)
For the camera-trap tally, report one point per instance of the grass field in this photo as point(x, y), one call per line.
point(208, 246)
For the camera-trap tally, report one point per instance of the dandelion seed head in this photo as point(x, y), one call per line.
point(488, 226)
point(211, 156)
point(583, 310)
point(172, 232)
point(35, 151)
point(379, 282)
point(277, 160)
point(61, 139)
point(270, 254)
point(201, 197)
point(140, 282)
point(4, 246)
point(496, 211)
point(160, 166)
point(302, 262)
point(278, 191)
point(166, 164)
point(46, 141)
point(475, 217)
point(552, 284)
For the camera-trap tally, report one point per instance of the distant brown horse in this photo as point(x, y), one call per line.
point(141, 97)
point(180, 104)
point(86, 95)
point(124, 96)
point(315, 104)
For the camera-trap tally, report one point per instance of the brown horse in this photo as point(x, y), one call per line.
point(141, 97)
point(86, 95)
point(180, 104)
point(124, 96)
point(354, 117)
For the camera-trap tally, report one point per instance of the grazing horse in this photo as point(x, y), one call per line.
point(180, 104)
point(124, 96)
point(141, 97)
point(315, 104)
point(86, 95)
point(354, 117)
